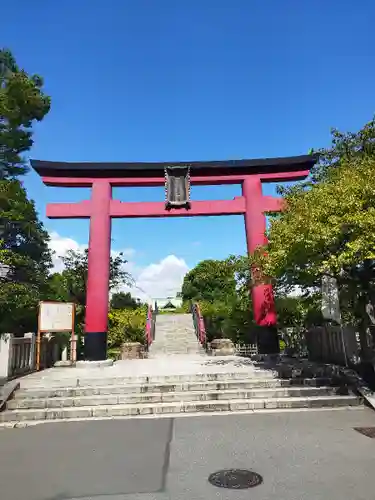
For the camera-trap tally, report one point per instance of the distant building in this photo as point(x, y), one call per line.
point(168, 302)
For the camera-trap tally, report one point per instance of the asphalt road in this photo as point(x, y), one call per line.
point(309, 455)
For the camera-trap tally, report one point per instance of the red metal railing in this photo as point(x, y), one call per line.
point(198, 320)
point(150, 327)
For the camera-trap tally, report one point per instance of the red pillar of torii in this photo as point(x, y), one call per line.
point(101, 208)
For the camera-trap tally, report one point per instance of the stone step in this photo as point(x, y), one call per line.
point(138, 388)
point(152, 379)
point(176, 340)
point(169, 352)
point(107, 411)
point(174, 347)
point(167, 397)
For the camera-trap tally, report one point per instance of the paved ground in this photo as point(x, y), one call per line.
point(314, 455)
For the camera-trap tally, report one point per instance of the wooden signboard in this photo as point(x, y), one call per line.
point(55, 317)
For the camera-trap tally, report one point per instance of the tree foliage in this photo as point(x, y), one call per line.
point(24, 241)
point(345, 147)
point(70, 284)
point(122, 300)
point(210, 280)
point(24, 255)
point(25, 259)
point(328, 228)
point(74, 276)
point(229, 313)
point(22, 102)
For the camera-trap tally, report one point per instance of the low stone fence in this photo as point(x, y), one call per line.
point(18, 354)
point(332, 344)
point(324, 344)
point(246, 350)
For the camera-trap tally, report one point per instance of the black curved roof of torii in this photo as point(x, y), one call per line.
point(148, 169)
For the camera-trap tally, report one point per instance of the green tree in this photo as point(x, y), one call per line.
point(22, 102)
point(24, 256)
point(328, 227)
point(298, 311)
point(210, 280)
point(70, 284)
point(122, 300)
point(346, 146)
point(222, 289)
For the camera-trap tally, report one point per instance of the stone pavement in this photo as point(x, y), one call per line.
point(313, 455)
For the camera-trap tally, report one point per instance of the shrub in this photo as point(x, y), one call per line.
point(126, 325)
point(232, 319)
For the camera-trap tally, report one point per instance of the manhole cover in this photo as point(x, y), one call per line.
point(237, 479)
point(366, 431)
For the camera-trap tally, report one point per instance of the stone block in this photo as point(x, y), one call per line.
point(100, 412)
point(240, 406)
point(22, 415)
point(32, 404)
point(94, 364)
point(71, 413)
point(132, 350)
point(60, 402)
point(222, 347)
point(64, 364)
point(95, 401)
point(144, 410)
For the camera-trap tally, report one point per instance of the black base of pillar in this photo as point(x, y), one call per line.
point(268, 340)
point(95, 346)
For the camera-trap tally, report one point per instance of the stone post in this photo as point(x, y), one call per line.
point(5, 354)
point(32, 358)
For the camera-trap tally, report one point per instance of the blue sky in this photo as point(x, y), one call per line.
point(134, 80)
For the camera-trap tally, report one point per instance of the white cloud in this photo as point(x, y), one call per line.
point(163, 279)
point(60, 246)
point(157, 280)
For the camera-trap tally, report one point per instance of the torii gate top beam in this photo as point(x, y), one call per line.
point(80, 174)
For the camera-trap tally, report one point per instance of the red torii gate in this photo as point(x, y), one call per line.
point(101, 177)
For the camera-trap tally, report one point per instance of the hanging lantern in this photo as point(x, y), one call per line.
point(177, 187)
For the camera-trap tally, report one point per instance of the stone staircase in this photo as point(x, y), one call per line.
point(103, 397)
point(177, 379)
point(175, 335)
